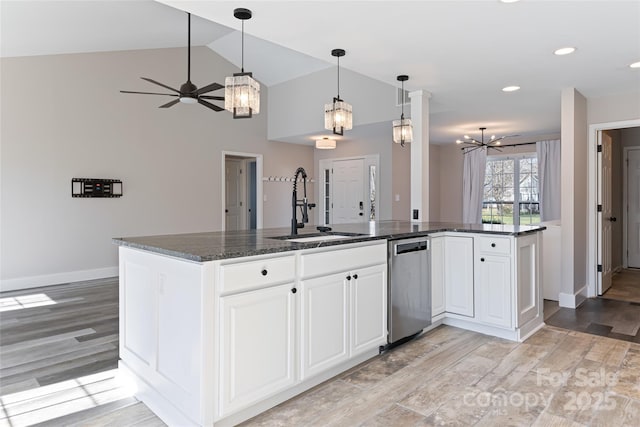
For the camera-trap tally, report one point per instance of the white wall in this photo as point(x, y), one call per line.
point(63, 117)
point(613, 108)
point(574, 197)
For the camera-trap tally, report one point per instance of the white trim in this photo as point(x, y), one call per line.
point(625, 205)
point(259, 173)
point(572, 300)
point(592, 188)
point(57, 278)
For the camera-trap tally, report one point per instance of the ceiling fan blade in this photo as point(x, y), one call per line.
point(217, 98)
point(148, 93)
point(209, 88)
point(160, 84)
point(170, 103)
point(210, 105)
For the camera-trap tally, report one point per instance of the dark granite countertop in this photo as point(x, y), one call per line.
point(209, 246)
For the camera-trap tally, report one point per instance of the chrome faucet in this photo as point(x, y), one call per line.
point(302, 204)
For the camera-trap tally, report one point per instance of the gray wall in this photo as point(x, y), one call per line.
point(63, 117)
point(296, 107)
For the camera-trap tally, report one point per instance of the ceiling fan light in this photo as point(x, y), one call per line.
point(242, 95)
point(338, 116)
point(325, 144)
point(402, 131)
point(188, 100)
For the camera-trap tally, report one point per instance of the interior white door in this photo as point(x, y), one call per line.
point(348, 191)
point(234, 195)
point(633, 208)
point(606, 216)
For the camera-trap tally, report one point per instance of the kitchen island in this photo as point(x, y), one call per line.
point(218, 327)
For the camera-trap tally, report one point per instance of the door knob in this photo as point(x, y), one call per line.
point(613, 219)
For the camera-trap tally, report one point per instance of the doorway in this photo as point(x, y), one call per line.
point(609, 145)
point(241, 191)
point(347, 189)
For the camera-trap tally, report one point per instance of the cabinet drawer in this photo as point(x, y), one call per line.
point(254, 274)
point(333, 261)
point(494, 245)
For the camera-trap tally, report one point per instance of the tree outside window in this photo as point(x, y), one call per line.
point(511, 191)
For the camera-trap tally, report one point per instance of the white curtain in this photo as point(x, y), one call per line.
point(474, 167)
point(549, 179)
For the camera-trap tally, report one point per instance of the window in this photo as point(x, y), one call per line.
point(511, 191)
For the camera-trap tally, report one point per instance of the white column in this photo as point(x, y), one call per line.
point(420, 155)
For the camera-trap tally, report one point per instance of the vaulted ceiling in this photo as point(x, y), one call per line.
point(463, 52)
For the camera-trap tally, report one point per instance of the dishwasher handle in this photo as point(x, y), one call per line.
point(401, 248)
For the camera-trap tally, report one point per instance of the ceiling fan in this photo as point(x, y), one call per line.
point(188, 93)
point(474, 144)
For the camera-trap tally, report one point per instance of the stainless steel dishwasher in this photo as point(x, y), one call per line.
point(409, 288)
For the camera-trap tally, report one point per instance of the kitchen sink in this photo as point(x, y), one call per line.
point(304, 238)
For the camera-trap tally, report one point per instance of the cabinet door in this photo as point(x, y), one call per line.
point(257, 343)
point(368, 308)
point(458, 256)
point(493, 289)
point(325, 323)
point(437, 276)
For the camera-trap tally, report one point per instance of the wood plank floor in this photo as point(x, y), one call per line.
point(625, 286)
point(57, 360)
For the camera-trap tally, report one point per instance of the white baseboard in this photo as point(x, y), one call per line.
point(572, 300)
point(56, 278)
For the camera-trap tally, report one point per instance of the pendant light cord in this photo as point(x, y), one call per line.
point(402, 106)
point(242, 50)
point(338, 77)
point(188, 47)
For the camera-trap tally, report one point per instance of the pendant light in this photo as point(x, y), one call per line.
point(338, 116)
point(242, 91)
point(402, 129)
point(325, 143)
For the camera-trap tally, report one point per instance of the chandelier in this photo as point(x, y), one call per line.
point(337, 115)
point(473, 143)
point(402, 129)
point(242, 91)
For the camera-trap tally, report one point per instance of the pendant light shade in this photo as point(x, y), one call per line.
point(402, 129)
point(338, 116)
point(242, 91)
point(325, 144)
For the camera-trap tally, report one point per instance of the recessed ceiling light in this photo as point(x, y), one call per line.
point(564, 51)
point(510, 88)
point(508, 1)
point(635, 65)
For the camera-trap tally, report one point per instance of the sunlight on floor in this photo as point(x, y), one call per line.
point(62, 399)
point(25, 301)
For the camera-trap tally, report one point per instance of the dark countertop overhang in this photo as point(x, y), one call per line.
point(210, 246)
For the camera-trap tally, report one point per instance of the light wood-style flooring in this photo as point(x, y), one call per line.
point(625, 286)
point(447, 376)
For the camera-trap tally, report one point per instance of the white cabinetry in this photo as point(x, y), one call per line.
point(529, 301)
point(344, 312)
point(437, 276)
point(325, 326)
point(493, 282)
point(458, 275)
point(257, 343)
point(368, 308)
